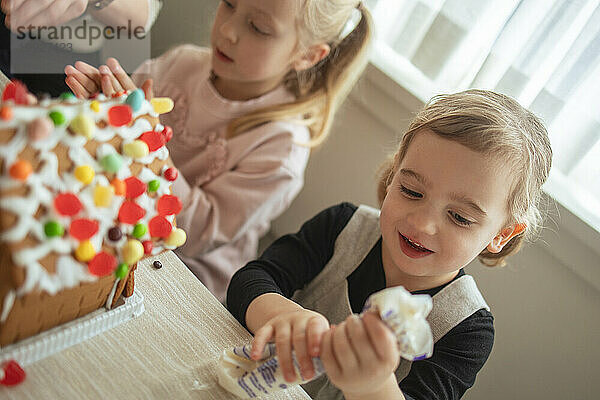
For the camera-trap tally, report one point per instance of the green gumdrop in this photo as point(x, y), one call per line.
point(67, 96)
point(135, 98)
point(53, 229)
point(111, 162)
point(139, 230)
point(153, 185)
point(121, 271)
point(57, 117)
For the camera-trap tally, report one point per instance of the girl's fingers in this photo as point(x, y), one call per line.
point(124, 80)
point(107, 86)
point(262, 337)
point(89, 71)
point(299, 340)
point(89, 85)
point(106, 72)
point(77, 88)
point(330, 362)
point(283, 344)
point(147, 88)
point(315, 329)
point(360, 342)
point(342, 349)
point(382, 339)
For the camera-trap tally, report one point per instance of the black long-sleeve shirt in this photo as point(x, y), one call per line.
point(292, 261)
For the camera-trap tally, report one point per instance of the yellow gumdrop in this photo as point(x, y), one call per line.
point(84, 174)
point(103, 195)
point(85, 251)
point(132, 251)
point(95, 106)
point(176, 238)
point(83, 125)
point(162, 105)
point(136, 149)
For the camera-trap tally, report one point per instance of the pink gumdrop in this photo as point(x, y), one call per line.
point(83, 228)
point(167, 133)
point(67, 204)
point(120, 115)
point(40, 128)
point(154, 140)
point(171, 174)
point(160, 227)
point(17, 92)
point(134, 187)
point(13, 373)
point(102, 264)
point(168, 204)
point(148, 246)
point(130, 212)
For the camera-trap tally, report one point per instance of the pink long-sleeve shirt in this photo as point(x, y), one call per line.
point(231, 189)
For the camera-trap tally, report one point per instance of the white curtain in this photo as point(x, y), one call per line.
point(544, 53)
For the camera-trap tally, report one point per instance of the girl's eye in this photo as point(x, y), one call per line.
point(459, 219)
point(410, 193)
point(257, 29)
point(227, 4)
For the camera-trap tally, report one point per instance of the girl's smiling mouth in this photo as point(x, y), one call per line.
point(222, 56)
point(412, 248)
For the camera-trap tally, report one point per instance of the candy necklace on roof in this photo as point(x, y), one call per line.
point(83, 208)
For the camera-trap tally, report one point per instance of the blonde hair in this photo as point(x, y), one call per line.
point(496, 125)
point(322, 88)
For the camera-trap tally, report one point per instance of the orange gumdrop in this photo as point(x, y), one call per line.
point(21, 170)
point(119, 186)
point(6, 113)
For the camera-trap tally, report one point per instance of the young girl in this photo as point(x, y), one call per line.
point(464, 183)
point(247, 111)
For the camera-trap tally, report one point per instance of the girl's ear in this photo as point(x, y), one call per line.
point(310, 57)
point(504, 236)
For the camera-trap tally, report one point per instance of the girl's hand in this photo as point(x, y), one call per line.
point(360, 356)
point(300, 330)
point(86, 80)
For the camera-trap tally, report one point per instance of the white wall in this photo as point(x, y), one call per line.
point(547, 316)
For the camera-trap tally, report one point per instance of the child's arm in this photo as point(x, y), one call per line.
point(273, 317)
point(360, 356)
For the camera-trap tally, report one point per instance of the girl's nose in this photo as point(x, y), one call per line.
point(423, 220)
point(228, 30)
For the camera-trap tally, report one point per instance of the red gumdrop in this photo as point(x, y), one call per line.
point(159, 226)
point(171, 174)
point(13, 373)
point(168, 204)
point(120, 115)
point(134, 187)
point(67, 204)
point(130, 212)
point(167, 133)
point(15, 91)
point(148, 245)
point(102, 264)
point(83, 229)
point(154, 140)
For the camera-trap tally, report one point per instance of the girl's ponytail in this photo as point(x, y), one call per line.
point(321, 89)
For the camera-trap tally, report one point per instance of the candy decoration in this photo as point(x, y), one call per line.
point(162, 105)
point(103, 195)
point(121, 271)
point(139, 230)
point(68, 96)
point(135, 99)
point(53, 229)
point(83, 228)
point(84, 174)
point(15, 91)
point(171, 174)
point(160, 227)
point(95, 106)
point(83, 125)
point(112, 162)
point(168, 204)
point(148, 246)
point(67, 204)
point(119, 186)
point(57, 117)
point(153, 185)
point(21, 170)
point(132, 252)
point(118, 94)
point(130, 212)
point(136, 149)
point(40, 128)
point(134, 187)
point(119, 115)
point(154, 140)
point(176, 238)
point(102, 264)
point(94, 95)
point(11, 373)
point(85, 251)
point(6, 113)
point(115, 234)
point(167, 133)
point(157, 264)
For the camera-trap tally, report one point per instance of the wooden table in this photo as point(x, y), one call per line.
point(171, 351)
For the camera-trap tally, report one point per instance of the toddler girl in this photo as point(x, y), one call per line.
point(464, 183)
point(247, 111)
